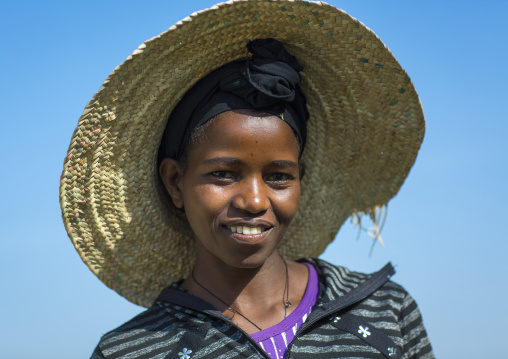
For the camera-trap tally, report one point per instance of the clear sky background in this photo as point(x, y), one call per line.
point(445, 229)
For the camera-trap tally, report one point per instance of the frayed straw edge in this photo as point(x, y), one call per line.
point(377, 215)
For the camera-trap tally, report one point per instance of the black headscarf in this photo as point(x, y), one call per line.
point(269, 82)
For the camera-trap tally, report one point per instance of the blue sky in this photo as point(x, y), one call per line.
point(445, 229)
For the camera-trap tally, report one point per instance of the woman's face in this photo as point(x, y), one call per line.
point(241, 188)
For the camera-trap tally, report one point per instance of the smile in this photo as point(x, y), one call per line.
point(246, 229)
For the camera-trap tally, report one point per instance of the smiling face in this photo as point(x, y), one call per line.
point(240, 188)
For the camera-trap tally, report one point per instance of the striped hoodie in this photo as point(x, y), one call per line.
point(356, 316)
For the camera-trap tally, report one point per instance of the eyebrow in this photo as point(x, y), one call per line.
point(284, 164)
point(236, 161)
point(223, 161)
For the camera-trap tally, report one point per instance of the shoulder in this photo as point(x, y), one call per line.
point(386, 299)
point(142, 328)
point(389, 308)
point(162, 325)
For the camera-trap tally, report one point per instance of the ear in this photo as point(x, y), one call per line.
point(171, 174)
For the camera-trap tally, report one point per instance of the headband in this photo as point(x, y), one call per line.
point(269, 82)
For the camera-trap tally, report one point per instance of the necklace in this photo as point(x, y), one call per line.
point(287, 304)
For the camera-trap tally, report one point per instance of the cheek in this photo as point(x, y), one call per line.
point(288, 202)
point(203, 201)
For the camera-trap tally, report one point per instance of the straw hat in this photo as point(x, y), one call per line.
point(365, 128)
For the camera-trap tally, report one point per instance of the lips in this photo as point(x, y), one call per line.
point(253, 227)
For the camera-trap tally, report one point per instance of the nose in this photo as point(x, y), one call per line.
point(252, 195)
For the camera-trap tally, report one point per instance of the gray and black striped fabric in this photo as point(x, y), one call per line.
point(386, 323)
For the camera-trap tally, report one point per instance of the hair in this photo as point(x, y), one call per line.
point(197, 136)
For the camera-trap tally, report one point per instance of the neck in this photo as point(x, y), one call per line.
point(259, 285)
point(257, 293)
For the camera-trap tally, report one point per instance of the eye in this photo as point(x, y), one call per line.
point(223, 174)
point(279, 177)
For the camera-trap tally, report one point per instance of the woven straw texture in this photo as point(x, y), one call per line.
point(365, 130)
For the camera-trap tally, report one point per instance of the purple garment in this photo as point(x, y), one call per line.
point(274, 340)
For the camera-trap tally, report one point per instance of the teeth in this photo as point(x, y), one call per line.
point(246, 230)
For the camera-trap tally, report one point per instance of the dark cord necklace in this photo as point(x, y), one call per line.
point(287, 304)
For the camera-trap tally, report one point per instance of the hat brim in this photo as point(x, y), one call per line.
point(366, 126)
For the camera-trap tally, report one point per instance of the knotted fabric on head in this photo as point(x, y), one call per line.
point(269, 82)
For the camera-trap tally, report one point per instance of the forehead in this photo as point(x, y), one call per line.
point(247, 131)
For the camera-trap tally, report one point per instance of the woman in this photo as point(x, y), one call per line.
point(186, 172)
